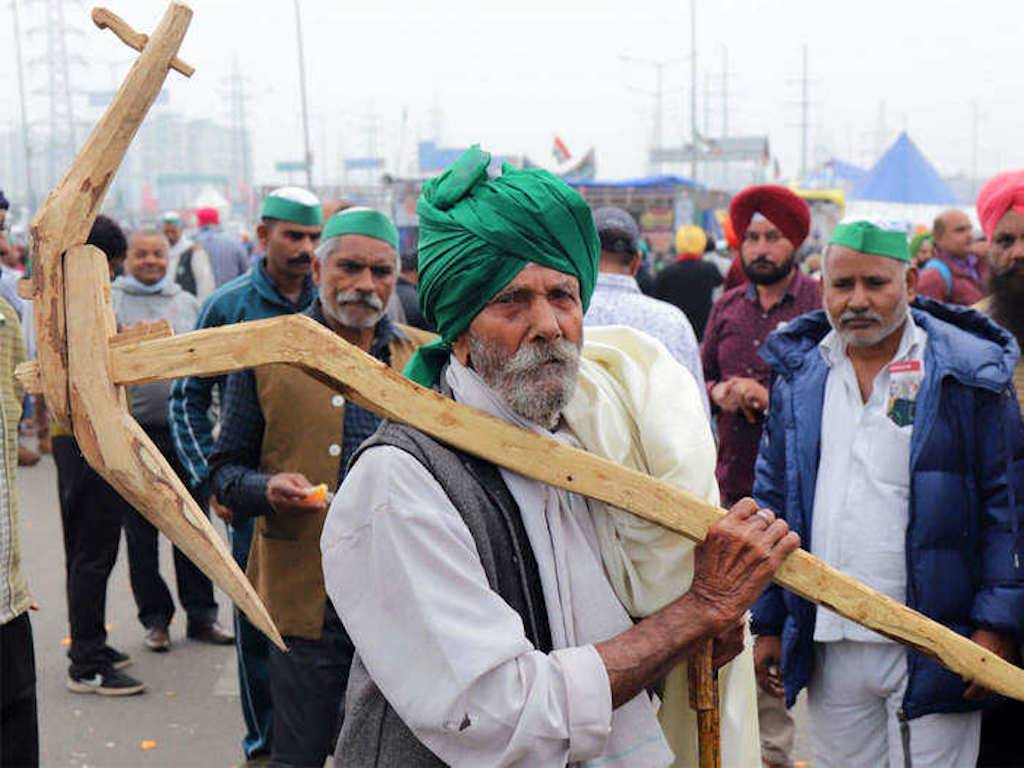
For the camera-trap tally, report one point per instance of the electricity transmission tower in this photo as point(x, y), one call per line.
point(55, 66)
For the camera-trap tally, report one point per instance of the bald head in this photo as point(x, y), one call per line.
point(953, 232)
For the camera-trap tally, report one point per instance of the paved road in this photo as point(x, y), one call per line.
point(190, 708)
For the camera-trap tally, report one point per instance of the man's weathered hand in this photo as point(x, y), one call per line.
point(224, 513)
point(737, 559)
point(287, 492)
point(1000, 644)
point(768, 664)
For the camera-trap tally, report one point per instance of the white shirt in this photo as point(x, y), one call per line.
point(861, 498)
point(449, 655)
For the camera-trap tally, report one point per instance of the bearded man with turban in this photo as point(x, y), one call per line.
point(497, 620)
point(1001, 213)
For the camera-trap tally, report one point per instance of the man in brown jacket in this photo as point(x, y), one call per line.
point(283, 433)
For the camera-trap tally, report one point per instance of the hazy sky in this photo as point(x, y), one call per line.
point(511, 75)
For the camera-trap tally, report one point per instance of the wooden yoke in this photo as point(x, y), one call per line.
point(75, 323)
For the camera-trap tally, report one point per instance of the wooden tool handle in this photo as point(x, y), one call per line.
point(104, 18)
point(704, 701)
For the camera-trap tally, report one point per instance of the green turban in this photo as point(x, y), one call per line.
point(477, 234)
point(918, 241)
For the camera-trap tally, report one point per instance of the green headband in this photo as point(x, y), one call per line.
point(293, 204)
point(361, 221)
point(864, 237)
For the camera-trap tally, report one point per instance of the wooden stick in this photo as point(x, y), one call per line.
point(119, 450)
point(65, 218)
point(107, 19)
point(302, 342)
point(704, 701)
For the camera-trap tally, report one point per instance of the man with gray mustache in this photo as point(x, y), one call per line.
point(283, 434)
point(894, 447)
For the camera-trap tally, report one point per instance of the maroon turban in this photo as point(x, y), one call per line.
point(1000, 194)
point(207, 216)
point(779, 205)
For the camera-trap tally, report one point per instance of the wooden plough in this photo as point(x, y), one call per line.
point(84, 367)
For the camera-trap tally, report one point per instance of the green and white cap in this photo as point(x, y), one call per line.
point(361, 221)
point(865, 237)
point(293, 204)
point(170, 217)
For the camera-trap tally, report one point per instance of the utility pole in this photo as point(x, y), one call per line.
point(693, 87)
point(659, 98)
point(707, 104)
point(29, 191)
point(804, 119)
point(974, 146)
point(305, 106)
point(881, 132)
point(725, 91)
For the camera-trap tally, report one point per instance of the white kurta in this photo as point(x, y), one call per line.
point(862, 493)
point(403, 573)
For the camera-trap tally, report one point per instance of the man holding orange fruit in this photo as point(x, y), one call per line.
point(284, 444)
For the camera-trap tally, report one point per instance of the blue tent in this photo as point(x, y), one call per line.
point(904, 175)
point(646, 182)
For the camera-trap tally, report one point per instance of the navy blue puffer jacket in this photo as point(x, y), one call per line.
point(963, 548)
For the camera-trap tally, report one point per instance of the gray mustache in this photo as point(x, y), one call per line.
point(372, 300)
point(535, 355)
point(850, 315)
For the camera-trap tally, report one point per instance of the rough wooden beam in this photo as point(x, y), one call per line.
point(29, 374)
point(302, 342)
point(119, 450)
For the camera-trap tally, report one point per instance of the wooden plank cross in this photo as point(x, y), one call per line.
point(84, 367)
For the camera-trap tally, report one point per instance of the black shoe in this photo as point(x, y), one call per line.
point(212, 633)
point(107, 682)
point(115, 658)
point(157, 639)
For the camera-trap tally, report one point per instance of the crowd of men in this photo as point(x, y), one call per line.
point(441, 610)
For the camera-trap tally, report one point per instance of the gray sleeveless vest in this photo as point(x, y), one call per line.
point(372, 733)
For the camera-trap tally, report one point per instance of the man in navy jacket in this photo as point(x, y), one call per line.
point(894, 447)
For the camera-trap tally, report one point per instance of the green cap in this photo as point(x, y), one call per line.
point(361, 221)
point(293, 204)
point(865, 237)
point(170, 217)
point(918, 241)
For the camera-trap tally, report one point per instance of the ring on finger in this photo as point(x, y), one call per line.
point(765, 515)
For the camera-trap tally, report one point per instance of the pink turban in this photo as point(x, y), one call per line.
point(1000, 194)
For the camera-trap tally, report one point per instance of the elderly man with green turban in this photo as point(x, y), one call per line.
point(497, 620)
